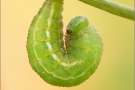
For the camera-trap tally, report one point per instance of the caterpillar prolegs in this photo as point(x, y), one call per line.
point(58, 65)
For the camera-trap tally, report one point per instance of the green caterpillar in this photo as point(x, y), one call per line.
point(58, 65)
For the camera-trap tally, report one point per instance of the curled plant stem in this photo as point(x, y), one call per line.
point(113, 7)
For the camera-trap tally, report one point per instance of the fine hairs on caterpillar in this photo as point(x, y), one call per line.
point(55, 64)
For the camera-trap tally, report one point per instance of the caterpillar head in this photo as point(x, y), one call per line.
point(77, 24)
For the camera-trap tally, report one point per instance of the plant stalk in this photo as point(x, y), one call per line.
point(113, 7)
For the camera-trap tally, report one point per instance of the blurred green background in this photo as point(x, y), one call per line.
point(115, 72)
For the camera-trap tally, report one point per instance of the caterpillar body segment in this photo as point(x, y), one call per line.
point(58, 65)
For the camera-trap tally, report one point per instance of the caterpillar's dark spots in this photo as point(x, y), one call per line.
point(69, 31)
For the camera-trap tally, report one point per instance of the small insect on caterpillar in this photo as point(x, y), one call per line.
point(55, 64)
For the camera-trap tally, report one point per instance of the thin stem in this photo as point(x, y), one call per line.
point(113, 7)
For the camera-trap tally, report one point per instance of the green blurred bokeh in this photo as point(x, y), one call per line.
point(116, 70)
